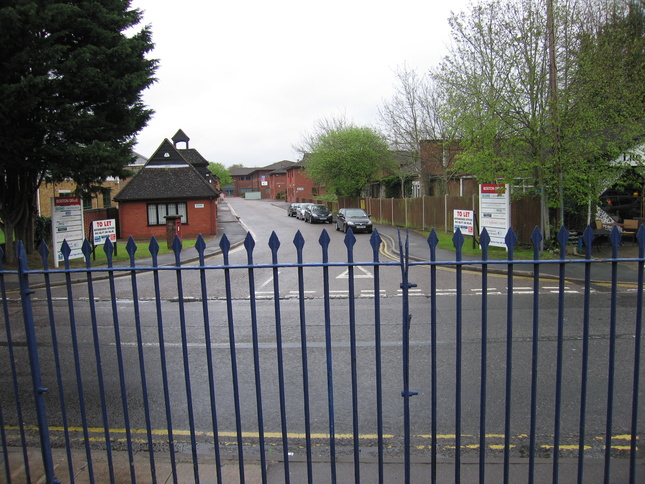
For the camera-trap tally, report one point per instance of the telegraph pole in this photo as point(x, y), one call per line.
point(553, 95)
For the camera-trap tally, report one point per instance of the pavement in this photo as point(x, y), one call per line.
point(393, 469)
point(233, 228)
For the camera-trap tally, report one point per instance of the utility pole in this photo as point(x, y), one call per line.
point(553, 95)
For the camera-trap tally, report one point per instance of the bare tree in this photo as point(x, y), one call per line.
point(309, 139)
point(408, 119)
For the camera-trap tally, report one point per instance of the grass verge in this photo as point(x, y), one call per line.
point(521, 252)
point(34, 261)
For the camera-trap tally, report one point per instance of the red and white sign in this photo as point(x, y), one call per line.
point(463, 220)
point(104, 229)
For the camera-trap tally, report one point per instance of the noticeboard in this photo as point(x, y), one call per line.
point(67, 225)
point(495, 212)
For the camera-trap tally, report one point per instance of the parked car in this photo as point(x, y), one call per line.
point(301, 210)
point(318, 213)
point(355, 219)
point(292, 210)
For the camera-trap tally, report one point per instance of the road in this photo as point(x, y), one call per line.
point(143, 324)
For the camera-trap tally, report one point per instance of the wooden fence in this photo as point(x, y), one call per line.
point(425, 213)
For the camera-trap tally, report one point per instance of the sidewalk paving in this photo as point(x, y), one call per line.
point(393, 469)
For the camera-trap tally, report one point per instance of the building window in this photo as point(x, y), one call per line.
point(87, 202)
point(314, 191)
point(158, 211)
point(107, 198)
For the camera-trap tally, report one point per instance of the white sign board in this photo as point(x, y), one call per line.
point(463, 220)
point(102, 230)
point(67, 224)
point(495, 212)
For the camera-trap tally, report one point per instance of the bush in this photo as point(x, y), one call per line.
point(42, 231)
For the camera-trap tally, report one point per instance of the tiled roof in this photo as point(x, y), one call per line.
point(242, 171)
point(273, 168)
point(160, 183)
point(193, 157)
point(168, 175)
point(280, 165)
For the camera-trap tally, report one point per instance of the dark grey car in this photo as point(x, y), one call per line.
point(318, 213)
point(355, 219)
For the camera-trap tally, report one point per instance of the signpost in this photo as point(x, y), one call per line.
point(495, 212)
point(67, 225)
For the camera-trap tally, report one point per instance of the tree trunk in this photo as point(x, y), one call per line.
point(9, 244)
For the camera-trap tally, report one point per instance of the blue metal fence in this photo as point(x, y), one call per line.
point(80, 372)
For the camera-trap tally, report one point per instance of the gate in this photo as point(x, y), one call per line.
point(104, 365)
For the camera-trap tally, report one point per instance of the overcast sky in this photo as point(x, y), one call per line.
point(245, 80)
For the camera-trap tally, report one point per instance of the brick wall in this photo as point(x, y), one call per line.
point(277, 184)
point(90, 216)
point(299, 186)
point(133, 220)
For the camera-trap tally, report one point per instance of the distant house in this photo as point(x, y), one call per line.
point(438, 159)
point(103, 198)
point(270, 181)
point(243, 181)
point(173, 182)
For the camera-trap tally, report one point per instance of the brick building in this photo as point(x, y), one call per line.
point(438, 159)
point(299, 185)
point(270, 181)
point(103, 198)
point(173, 182)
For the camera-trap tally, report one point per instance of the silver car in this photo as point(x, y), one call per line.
point(300, 214)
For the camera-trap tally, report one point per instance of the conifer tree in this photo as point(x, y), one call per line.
point(71, 82)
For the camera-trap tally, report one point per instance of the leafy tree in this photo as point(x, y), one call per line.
point(221, 172)
point(71, 82)
point(344, 158)
point(496, 79)
point(605, 115)
point(512, 126)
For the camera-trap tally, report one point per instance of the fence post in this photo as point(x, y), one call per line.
point(34, 363)
point(406, 393)
point(405, 205)
point(445, 213)
point(423, 212)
